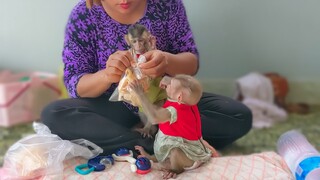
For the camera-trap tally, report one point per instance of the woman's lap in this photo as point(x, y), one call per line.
point(224, 120)
point(109, 124)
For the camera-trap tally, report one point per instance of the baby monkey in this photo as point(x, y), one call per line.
point(141, 41)
point(178, 145)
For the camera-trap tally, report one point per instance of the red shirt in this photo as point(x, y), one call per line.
point(188, 124)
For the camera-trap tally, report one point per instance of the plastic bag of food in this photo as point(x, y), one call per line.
point(123, 92)
point(42, 154)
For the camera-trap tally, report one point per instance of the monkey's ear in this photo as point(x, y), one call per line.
point(89, 3)
point(126, 38)
point(180, 98)
point(153, 42)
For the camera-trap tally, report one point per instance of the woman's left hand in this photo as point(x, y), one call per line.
point(156, 65)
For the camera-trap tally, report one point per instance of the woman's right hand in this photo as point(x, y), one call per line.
point(117, 63)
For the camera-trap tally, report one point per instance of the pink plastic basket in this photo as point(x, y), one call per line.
point(23, 96)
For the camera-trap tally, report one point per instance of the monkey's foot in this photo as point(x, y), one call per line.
point(141, 151)
point(145, 132)
point(167, 174)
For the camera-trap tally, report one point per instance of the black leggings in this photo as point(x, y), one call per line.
point(108, 124)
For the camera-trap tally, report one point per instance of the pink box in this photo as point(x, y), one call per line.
point(23, 96)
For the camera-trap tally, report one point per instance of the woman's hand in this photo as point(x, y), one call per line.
point(156, 65)
point(117, 63)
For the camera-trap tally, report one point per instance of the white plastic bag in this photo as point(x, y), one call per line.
point(43, 153)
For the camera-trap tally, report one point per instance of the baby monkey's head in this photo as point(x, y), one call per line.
point(185, 89)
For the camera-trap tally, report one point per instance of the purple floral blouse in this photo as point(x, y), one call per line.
point(91, 36)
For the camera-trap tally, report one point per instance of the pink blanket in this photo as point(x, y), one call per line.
point(266, 165)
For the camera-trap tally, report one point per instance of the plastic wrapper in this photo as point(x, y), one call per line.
point(124, 92)
point(39, 155)
point(150, 86)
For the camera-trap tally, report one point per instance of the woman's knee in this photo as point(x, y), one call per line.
point(247, 118)
point(49, 112)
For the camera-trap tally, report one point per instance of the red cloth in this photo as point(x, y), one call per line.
point(188, 124)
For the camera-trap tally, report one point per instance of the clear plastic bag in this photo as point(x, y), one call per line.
point(123, 92)
point(43, 153)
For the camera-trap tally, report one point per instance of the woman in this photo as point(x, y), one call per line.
point(95, 56)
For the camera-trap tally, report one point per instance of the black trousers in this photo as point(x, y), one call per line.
point(108, 124)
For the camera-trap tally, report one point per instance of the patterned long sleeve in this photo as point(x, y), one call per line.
point(91, 36)
point(78, 55)
point(181, 35)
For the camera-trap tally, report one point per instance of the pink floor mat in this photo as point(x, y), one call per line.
point(266, 165)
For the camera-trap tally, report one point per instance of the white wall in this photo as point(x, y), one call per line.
point(234, 36)
point(31, 33)
point(238, 36)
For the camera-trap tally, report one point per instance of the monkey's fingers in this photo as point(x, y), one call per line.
point(140, 156)
point(139, 148)
point(168, 174)
point(147, 135)
point(215, 153)
point(142, 152)
point(144, 134)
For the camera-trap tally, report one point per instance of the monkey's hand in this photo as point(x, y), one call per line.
point(136, 87)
